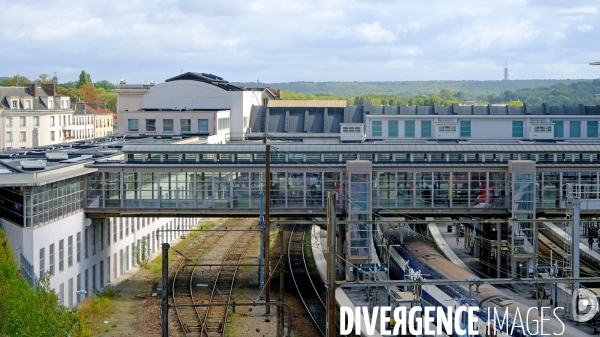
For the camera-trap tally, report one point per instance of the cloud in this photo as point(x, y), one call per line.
point(374, 33)
point(585, 28)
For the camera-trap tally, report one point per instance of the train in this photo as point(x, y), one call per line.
point(413, 257)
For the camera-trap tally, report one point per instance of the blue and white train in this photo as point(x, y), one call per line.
point(413, 257)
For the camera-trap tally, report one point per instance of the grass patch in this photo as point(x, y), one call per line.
point(96, 310)
point(233, 324)
point(308, 253)
point(155, 266)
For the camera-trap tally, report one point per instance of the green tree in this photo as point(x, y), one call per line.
point(141, 255)
point(461, 96)
point(446, 93)
point(514, 103)
point(15, 81)
point(84, 78)
point(44, 79)
point(104, 84)
point(109, 97)
point(74, 94)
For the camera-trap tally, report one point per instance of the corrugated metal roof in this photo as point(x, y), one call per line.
point(365, 148)
point(307, 104)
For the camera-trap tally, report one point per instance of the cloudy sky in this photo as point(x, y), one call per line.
point(311, 40)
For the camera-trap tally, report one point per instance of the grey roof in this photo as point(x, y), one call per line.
point(24, 92)
point(206, 78)
point(365, 148)
point(278, 121)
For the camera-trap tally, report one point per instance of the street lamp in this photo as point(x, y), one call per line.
point(79, 292)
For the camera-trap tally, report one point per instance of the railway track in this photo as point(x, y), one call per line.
point(310, 291)
point(559, 252)
point(194, 284)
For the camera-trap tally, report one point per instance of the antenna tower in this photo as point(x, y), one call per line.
point(506, 72)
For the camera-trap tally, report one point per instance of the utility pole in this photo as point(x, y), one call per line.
point(280, 313)
point(165, 290)
point(267, 224)
point(330, 305)
point(261, 268)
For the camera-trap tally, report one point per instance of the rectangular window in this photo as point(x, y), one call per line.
point(22, 136)
point(167, 125)
point(150, 125)
point(85, 243)
point(36, 120)
point(120, 228)
point(121, 266)
point(425, 129)
point(50, 103)
point(22, 121)
point(52, 120)
point(51, 260)
point(376, 129)
point(70, 290)
point(132, 125)
point(9, 136)
point(94, 277)
point(61, 294)
point(27, 104)
point(51, 135)
point(42, 262)
point(186, 125)
point(574, 129)
point(465, 128)
point(78, 246)
point(15, 104)
point(101, 273)
point(101, 235)
point(558, 129)
point(114, 230)
point(592, 129)
point(517, 128)
point(87, 282)
point(61, 255)
point(409, 129)
point(393, 129)
point(70, 251)
point(203, 125)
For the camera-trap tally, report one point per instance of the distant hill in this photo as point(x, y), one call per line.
point(407, 89)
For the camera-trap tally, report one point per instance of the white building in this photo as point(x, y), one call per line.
point(187, 104)
point(41, 212)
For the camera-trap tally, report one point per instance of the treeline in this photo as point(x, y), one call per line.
point(81, 90)
point(26, 311)
point(581, 92)
point(407, 89)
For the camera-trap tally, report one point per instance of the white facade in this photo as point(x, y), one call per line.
point(182, 100)
point(86, 254)
point(517, 127)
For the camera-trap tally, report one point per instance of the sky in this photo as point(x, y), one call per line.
point(311, 40)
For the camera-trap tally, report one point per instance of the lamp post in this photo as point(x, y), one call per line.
point(79, 292)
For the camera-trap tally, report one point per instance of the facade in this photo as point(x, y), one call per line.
point(366, 123)
point(42, 198)
point(93, 120)
point(188, 104)
point(31, 116)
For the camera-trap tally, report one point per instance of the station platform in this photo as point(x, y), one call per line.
point(353, 297)
point(454, 250)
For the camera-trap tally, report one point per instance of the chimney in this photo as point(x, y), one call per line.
point(50, 89)
point(33, 89)
point(279, 93)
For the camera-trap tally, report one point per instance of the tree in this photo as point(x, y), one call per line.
point(90, 94)
point(446, 93)
point(15, 81)
point(43, 79)
point(104, 84)
point(84, 78)
point(108, 97)
point(514, 103)
point(74, 94)
point(141, 255)
point(461, 96)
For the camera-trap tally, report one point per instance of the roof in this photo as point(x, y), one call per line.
point(206, 78)
point(99, 111)
point(307, 104)
point(365, 148)
point(25, 92)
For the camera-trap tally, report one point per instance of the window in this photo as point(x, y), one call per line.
point(150, 125)
point(185, 125)
point(52, 135)
point(203, 125)
point(27, 104)
point(223, 123)
point(592, 129)
point(50, 103)
point(70, 251)
point(447, 128)
point(350, 129)
point(9, 121)
point(392, 129)
point(376, 129)
point(167, 125)
point(65, 103)
point(51, 120)
point(61, 255)
point(465, 128)
point(425, 129)
point(22, 136)
point(15, 104)
point(517, 128)
point(94, 277)
point(42, 262)
point(61, 294)
point(9, 136)
point(78, 247)
point(132, 125)
point(36, 120)
point(22, 121)
point(409, 129)
point(558, 129)
point(574, 129)
point(51, 260)
point(70, 290)
point(85, 243)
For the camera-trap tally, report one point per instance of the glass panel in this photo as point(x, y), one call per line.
point(575, 129)
point(425, 129)
point(405, 189)
point(517, 128)
point(167, 125)
point(393, 129)
point(409, 129)
point(424, 189)
point(465, 128)
point(441, 189)
point(558, 129)
point(386, 184)
point(376, 128)
point(295, 189)
point(203, 125)
point(186, 126)
point(314, 188)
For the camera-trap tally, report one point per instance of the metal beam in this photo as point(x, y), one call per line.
point(446, 282)
point(331, 274)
